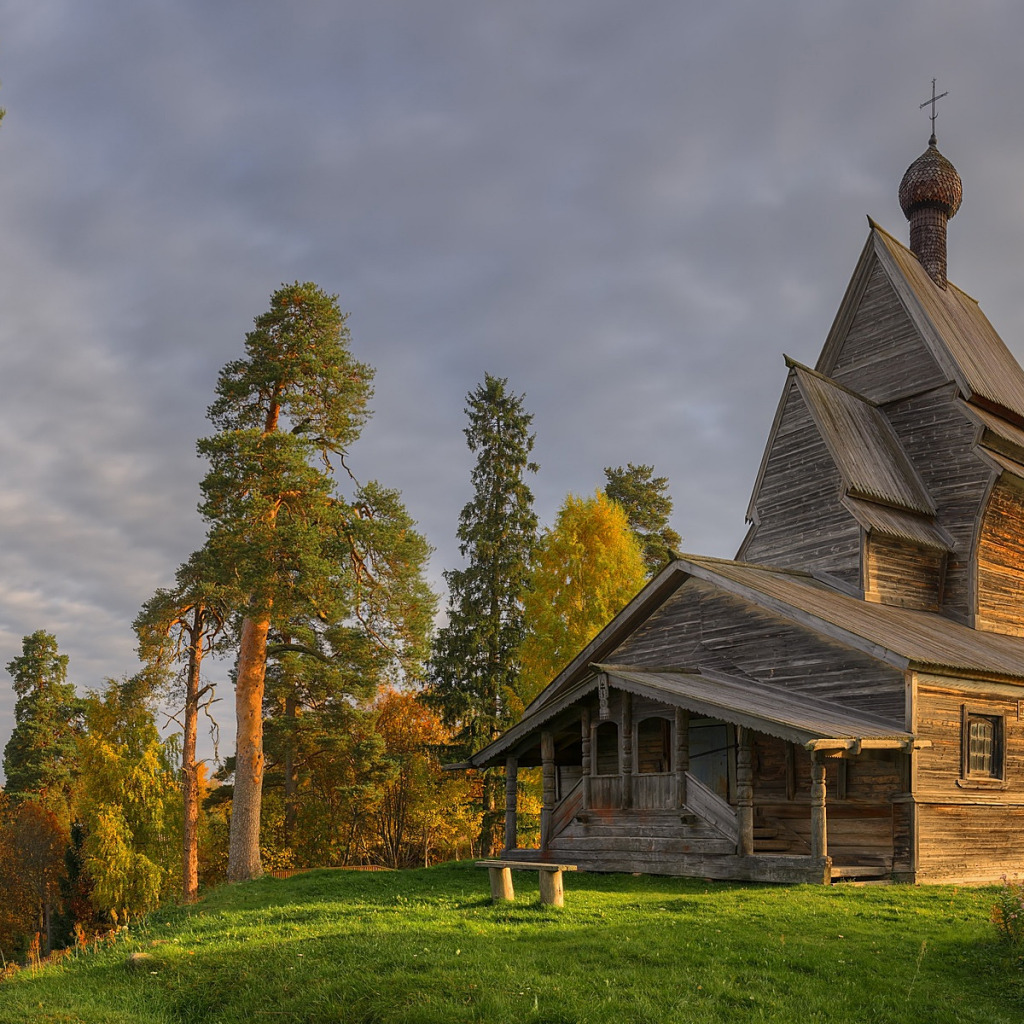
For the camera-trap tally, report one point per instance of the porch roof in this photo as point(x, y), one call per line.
point(798, 718)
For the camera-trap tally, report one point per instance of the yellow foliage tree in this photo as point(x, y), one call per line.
point(131, 805)
point(587, 568)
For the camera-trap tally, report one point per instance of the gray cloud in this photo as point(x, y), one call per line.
point(630, 212)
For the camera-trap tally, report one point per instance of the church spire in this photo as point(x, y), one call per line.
point(930, 193)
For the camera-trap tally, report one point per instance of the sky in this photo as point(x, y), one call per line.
point(630, 211)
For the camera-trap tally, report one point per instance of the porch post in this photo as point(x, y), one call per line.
point(585, 737)
point(627, 749)
point(819, 839)
point(744, 791)
point(547, 758)
point(682, 752)
point(511, 793)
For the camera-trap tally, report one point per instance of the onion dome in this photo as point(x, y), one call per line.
point(931, 181)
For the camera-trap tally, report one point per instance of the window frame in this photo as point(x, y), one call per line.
point(996, 778)
point(666, 728)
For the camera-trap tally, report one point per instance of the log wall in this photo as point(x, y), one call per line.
point(968, 830)
point(902, 574)
point(1000, 587)
point(940, 441)
point(860, 791)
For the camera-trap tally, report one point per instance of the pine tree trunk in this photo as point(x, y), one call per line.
point(244, 846)
point(190, 779)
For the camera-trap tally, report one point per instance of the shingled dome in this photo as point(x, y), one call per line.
point(931, 181)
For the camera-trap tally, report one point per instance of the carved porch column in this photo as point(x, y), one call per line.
point(682, 754)
point(744, 791)
point(547, 759)
point(819, 837)
point(585, 738)
point(511, 795)
point(627, 749)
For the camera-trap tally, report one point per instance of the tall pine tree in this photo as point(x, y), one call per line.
point(648, 506)
point(285, 544)
point(475, 666)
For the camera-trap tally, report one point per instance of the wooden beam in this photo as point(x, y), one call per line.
point(744, 792)
point(511, 794)
point(627, 749)
point(819, 828)
point(682, 754)
point(587, 763)
point(547, 755)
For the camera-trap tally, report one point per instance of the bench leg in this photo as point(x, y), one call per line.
point(551, 891)
point(501, 884)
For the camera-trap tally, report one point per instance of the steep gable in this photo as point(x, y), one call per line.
point(875, 347)
point(796, 513)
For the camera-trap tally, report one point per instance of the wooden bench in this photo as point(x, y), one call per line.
point(550, 875)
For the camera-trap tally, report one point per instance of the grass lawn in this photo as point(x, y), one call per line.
point(427, 947)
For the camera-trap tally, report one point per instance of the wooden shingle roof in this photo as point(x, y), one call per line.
point(862, 443)
point(902, 637)
point(765, 708)
point(956, 331)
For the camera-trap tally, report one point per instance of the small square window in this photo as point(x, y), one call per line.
point(982, 745)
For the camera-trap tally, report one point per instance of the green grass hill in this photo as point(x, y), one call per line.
point(428, 947)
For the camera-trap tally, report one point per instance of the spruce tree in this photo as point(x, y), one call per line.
point(648, 506)
point(475, 665)
point(41, 756)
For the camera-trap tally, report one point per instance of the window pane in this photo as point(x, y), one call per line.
point(981, 752)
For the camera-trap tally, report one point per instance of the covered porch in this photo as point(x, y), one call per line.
point(668, 772)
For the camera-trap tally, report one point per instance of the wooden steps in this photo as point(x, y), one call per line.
point(861, 872)
point(636, 840)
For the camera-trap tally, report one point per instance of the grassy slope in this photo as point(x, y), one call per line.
point(427, 946)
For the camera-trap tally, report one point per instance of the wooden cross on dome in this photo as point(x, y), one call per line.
point(933, 101)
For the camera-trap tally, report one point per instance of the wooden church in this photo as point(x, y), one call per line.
point(846, 698)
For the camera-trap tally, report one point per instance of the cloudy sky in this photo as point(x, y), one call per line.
point(629, 210)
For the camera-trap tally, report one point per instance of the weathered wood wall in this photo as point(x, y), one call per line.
point(801, 522)
point(939, 438)
point(882, 356)
point(859, 799)
point(967, 830)
point(1001, 560)
point(701, 625)
point(903, 574)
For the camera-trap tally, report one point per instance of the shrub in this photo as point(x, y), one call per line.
point(1008, 911)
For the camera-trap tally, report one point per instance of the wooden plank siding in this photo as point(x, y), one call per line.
point(800, 521)
point(901, 574)
point(939, 437)
point(1001, 560)
point(861, 823)
point(882, 356)
point(967, 830)
point(723, 632)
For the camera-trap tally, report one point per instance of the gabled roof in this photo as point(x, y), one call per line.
point(951, 324)
point(799, 718)
point(901, 637)
point(862, 443)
